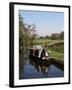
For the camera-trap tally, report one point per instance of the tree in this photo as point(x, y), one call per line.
point(46, 36)
point(27, 34)
point(33, 32)
point(55, 36)
point(21, 28)
point(23, 37)
point(41, 37)
point(62, 35)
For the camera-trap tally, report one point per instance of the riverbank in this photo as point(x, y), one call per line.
point(59, 63)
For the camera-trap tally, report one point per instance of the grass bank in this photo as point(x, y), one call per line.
point(43, 41)
point(56, 55)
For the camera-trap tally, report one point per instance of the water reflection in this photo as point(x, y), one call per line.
point(41, 66)
point(36, 68)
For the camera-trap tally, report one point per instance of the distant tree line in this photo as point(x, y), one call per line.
point(54, 36)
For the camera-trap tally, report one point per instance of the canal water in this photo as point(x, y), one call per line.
point(35, 69)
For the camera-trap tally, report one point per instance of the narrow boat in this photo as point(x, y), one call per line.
point(39, 53)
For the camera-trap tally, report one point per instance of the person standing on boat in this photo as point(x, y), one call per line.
point(44, 53)
point(46, 50)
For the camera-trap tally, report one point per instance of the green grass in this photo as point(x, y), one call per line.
point(57, 55)
point(43, 41)
point(57, 48)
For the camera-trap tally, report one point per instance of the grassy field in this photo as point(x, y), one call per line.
point(57, 52)
point(56, 55)
point(43, 41)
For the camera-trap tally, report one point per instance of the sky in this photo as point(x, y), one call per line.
point(46, 22)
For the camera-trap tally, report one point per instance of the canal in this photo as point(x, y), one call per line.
point(37, 68)
point(34, 68)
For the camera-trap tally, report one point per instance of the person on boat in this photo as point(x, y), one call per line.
point(44, 53)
